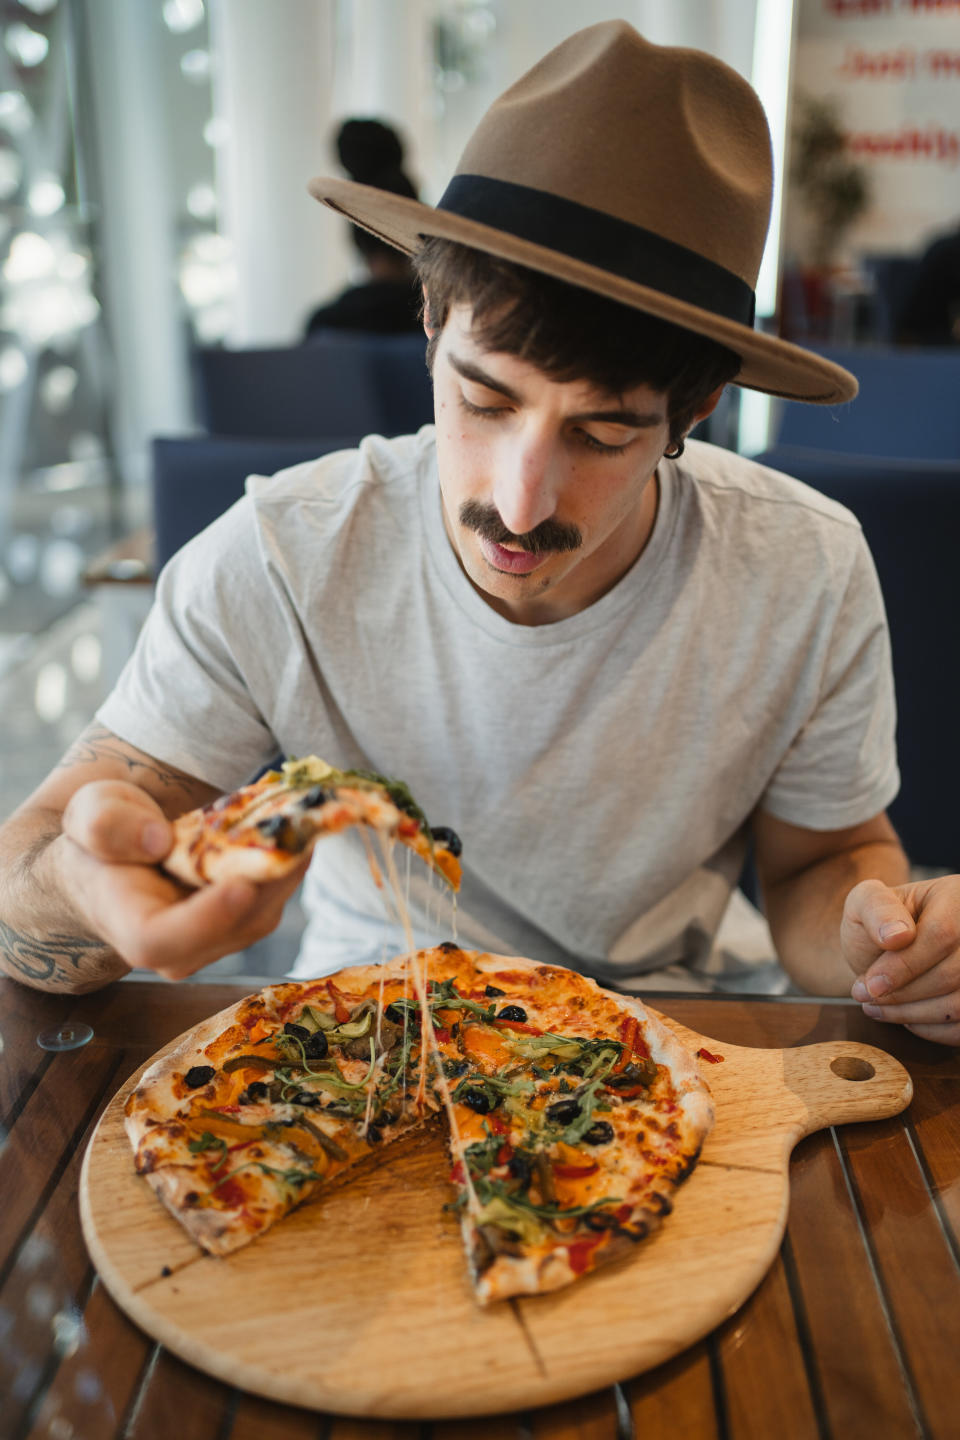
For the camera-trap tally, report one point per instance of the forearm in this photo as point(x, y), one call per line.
point(804, 911)
point(43, 941)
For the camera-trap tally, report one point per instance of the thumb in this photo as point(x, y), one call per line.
point(117, 822)
point(875, 919)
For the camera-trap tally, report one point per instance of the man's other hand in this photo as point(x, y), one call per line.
point(903, 944)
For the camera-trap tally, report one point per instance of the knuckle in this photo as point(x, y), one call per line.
point(941, 933)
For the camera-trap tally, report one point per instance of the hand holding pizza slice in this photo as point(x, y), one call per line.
point(264, 829)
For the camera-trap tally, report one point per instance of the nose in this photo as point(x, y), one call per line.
point(527, 480)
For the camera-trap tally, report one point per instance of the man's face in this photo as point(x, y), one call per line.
point(546, 486)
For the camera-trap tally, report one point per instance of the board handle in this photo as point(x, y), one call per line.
point(839, 1081)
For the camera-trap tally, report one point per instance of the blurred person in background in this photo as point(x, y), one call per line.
point(387, 303)
point(930, 315)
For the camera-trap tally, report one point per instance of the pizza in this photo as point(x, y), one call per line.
point(571, 1114)
point(263, 830)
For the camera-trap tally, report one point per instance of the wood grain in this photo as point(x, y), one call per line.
point(363, 1305)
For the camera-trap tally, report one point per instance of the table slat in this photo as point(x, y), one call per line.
point(764, 1374)
point(95, 1385)
point(676, 1401)
point(848, 1327)
point(70, 1090)
point(179, 1403)
point(917, 1267)
point(593, 1417)
point(258, 1419)
point(933, 1117)
point(489, 1427)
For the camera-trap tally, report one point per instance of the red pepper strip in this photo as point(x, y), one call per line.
point(623, 1214)
point(458, 1174)
point(497, 1125)
point(341, 1010)
point(713, 1059)
point(580, 1253)
point(517, 1025)
point(408, 826)
point(626, 1092)
point(575, 1172)
point(442, 1034)
point(505, 1153)
point(629, 1029)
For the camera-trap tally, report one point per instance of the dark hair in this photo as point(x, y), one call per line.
point(570, 333)
point(371, 152)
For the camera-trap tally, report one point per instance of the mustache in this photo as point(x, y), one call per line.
point(549, 535)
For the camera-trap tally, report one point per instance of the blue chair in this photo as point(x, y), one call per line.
point(908, 406)
point(196, 478)
point(910, 513)
point(336, 383)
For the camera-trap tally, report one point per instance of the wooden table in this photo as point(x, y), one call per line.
point(855, 1332)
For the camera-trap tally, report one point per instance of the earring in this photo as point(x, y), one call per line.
point(674, 454)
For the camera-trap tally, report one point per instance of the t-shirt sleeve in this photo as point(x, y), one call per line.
point(187, 694)
point(841, 768)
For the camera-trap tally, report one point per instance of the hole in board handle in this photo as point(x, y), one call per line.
point(851, 1067)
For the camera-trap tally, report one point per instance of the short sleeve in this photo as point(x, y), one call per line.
point(186, 696)
point(841, 768)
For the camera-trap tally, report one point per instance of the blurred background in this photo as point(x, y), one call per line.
point(160, 260)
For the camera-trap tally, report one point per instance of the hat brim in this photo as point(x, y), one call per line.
point(774, 366)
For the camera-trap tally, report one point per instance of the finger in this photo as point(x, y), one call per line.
point(118, 822)
point(937, 940)
point(940, 1034)
point(940, 979)
point(155, 926)
point(176, 939)
point(875, 920)
point(939, 1010)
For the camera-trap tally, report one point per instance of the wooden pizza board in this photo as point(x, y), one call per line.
point(360, 1303)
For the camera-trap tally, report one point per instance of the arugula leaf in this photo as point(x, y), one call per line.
point(206, 1141)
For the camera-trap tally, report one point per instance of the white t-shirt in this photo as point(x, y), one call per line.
point(600, 770)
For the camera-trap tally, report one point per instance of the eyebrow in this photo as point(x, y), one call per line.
point(634, 419)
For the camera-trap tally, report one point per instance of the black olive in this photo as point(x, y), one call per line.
point(316, 795)
point(299, 1032)
point(600, 1133)
point(513, 1012)
point(453, 1068)
point(396, 1014)
point(600, 1220)
point(449, 839)
point(199, 1075)
point(449, 947)
point(632, 1075)
point(373, 1135)
point(563, 1112)
point(255, 1091)
point(520, 1168)
point(316, 1047)
point(476, 1099)
point(279, 829)
point(306, 1097)
point(492, 990)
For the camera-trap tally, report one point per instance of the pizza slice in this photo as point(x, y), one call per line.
point(263, 830)
point(572, 1114)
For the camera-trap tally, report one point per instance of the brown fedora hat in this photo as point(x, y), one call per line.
point(642, 172)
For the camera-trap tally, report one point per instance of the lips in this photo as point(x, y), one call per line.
point(510, 562)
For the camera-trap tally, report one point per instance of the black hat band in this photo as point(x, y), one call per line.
point(611, 244)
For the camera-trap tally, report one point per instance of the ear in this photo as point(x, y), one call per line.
point(428, 324)
point(708, 406)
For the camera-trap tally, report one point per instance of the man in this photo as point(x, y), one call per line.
point(602, 660)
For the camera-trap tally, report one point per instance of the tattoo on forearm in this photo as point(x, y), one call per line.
point(99, 743)
point(51, 959)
